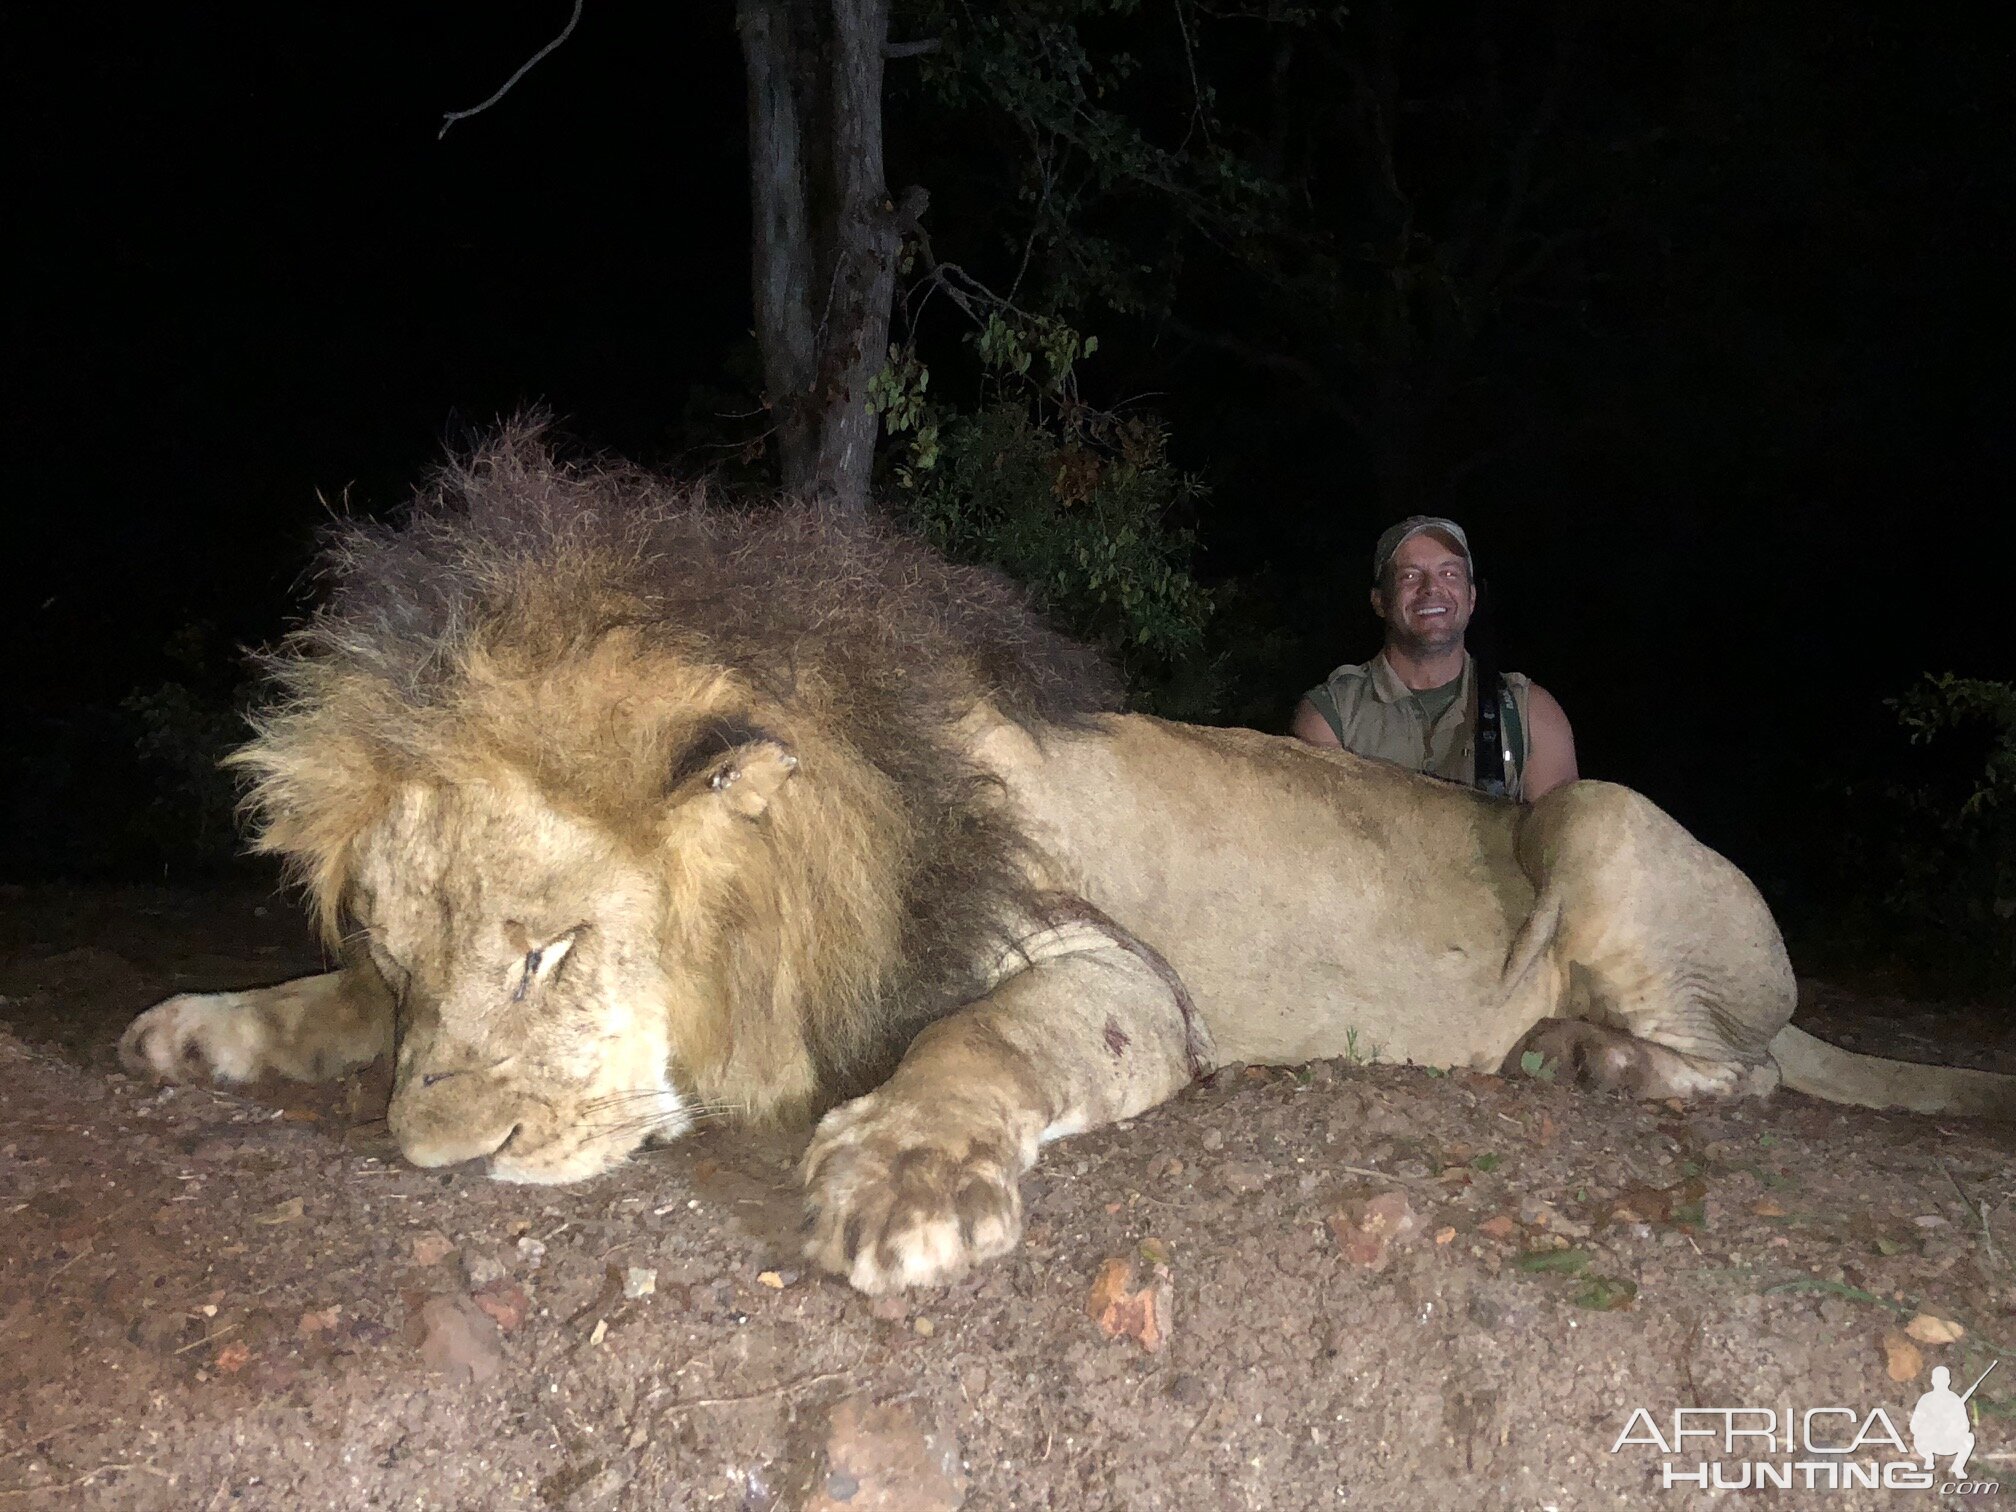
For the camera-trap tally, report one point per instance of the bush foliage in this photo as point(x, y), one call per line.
point(1930, 850)
point(1082, 507)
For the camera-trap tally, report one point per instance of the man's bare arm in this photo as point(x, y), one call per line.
point(1313, 727)
point(1550, 745)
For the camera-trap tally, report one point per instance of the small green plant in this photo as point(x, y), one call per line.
point(1605, 1294)
point(185, 727)
point(1537, 1066)
point(1561, 1262)
point(1692, 1214)
point(1082, 507)
point(1932, 848)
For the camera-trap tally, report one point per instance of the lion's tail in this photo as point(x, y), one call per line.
point(1813, 1066)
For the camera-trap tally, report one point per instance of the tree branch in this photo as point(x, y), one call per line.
point(894, 50)
point(523, 69)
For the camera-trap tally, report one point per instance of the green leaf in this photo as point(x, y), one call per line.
point(1830, 1288)
point(1486, 1162)
point(1566, 1262)
point(1605, 1294)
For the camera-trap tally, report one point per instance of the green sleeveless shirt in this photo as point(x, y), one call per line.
point(1371, 711)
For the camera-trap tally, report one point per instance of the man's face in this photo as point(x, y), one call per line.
point(1427, 597)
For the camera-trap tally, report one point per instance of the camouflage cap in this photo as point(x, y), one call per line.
point(1397, 535)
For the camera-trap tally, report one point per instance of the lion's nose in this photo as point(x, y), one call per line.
point(436, 1122)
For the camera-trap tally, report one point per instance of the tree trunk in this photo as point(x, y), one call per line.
point(780, 234)
point(824, 236)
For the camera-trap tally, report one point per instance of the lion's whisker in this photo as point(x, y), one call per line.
point(642, 1128)
point(684, 1118)
point(623, 1099)
point(655, 1096)
point(635, 1131)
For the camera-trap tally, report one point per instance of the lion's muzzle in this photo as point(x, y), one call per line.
point(445, 1118)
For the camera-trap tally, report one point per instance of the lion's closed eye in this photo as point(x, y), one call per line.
point(541, 962)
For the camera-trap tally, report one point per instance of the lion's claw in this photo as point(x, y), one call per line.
point(195, 1036)
point(897, 1199)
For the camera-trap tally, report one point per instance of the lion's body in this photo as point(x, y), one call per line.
point(1316, 903)
point(1305, 898)
point(645, 811)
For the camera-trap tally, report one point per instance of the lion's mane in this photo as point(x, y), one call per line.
point(605, 634)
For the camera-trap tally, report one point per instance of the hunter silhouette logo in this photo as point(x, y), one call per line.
point(1939, 1425)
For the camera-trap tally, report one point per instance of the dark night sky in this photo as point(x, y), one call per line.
point(253, 273)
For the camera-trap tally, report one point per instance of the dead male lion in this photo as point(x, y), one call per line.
point(623, 807)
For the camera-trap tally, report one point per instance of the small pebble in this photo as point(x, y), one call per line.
point(458, 1340)
point(432, 1247)
point(1242, 1176)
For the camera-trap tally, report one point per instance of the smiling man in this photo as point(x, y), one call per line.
point(1417, 703)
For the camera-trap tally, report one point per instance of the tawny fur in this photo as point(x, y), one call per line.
point(604, 634)
point(646, 810)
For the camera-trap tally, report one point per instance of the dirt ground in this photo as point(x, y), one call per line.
point(1367, 1287)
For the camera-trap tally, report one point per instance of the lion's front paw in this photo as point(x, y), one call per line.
point(194, 1037)
point(900, 1197)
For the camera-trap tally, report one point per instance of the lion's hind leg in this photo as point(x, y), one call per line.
point(1613, 1060)
point(1667, 974)
point(314, 1028)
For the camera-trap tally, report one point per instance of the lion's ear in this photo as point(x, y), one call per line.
point(733, 761)
point(752, 776)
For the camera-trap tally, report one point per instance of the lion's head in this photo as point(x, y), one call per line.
point(643, 807)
